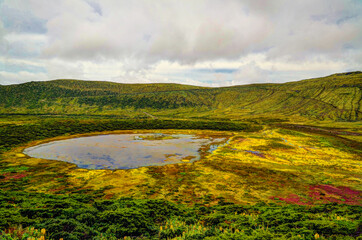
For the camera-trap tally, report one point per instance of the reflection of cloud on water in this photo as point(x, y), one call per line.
point(123, 151)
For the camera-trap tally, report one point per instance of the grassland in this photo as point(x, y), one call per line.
point(290, 168)
point(270, 164)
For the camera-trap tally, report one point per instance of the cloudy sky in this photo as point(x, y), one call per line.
point(198, 42)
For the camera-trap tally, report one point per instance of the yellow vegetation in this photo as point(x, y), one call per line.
point(249, 168)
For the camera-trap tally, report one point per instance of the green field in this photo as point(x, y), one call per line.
point(291, 168)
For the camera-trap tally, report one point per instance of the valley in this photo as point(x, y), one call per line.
point(291, 154)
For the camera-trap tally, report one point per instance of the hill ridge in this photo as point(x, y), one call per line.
point(337, 97)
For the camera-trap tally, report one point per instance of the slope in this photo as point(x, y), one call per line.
point(336, 97)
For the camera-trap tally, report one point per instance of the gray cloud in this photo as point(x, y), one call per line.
point(185, 32)
point(140, 34)
point(194, 31)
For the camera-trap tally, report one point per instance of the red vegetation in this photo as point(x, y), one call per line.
point(325, 194)
point(328, 193)
point(292, 199)
point(16, 176)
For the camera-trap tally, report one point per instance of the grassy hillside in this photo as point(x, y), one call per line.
point(336, 97)
point(33, 92)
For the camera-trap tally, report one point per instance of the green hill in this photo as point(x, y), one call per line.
point(336, 97)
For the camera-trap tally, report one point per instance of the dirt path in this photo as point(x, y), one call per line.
point(150, 115)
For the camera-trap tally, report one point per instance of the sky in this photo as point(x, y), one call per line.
point(197, 42)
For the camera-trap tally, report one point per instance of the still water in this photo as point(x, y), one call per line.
point(125, 151)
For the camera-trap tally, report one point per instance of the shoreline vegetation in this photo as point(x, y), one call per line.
point(314, 194)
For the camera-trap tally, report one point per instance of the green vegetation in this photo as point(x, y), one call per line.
point(186, 201)
point(289, 167)
point(336, 97)
point(80, 216)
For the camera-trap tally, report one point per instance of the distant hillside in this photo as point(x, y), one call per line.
point(336, 97)
point(31, 92)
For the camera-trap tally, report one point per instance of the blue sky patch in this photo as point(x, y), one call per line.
point(14, 68)
point(216, 70)
point(15, 20)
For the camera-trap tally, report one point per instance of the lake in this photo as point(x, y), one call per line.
point(127, 151)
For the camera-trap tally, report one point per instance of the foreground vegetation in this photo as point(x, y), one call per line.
point(271, 180)
point(81, 216)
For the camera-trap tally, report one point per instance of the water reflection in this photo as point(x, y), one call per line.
point(125, 151)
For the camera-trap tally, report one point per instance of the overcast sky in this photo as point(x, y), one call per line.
point(198, 42)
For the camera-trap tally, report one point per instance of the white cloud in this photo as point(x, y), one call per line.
point(250, 73)
point(186, 32)
point(20, 77)
point(159, 41)
point(3, 44)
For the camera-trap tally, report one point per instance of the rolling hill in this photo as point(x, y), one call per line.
point(336, 97)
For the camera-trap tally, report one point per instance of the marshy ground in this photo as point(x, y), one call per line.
point(264, 180)
point(273, 164)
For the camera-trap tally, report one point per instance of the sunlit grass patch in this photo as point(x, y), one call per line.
point(20, 233)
